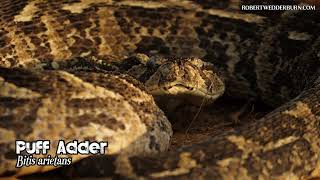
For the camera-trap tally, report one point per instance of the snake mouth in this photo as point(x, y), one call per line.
point(182, 86)
point(191, 94)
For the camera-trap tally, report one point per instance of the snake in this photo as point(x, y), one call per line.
point(58, 81)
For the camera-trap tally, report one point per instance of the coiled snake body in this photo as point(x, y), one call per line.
point(274, 60)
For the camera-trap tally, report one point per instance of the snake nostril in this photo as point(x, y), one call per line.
point(165, 88)
point(190, 88)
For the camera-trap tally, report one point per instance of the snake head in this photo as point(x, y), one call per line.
point(188, 79)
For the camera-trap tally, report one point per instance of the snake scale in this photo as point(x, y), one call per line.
point(273, 59)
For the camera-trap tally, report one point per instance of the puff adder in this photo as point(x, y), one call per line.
point(273, 59)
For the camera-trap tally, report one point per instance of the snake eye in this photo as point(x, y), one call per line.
point(151, 63)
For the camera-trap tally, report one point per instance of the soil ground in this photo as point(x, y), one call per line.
point(191, 126)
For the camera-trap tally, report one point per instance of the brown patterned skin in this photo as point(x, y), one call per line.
point(272, 60)
point(87, 106)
